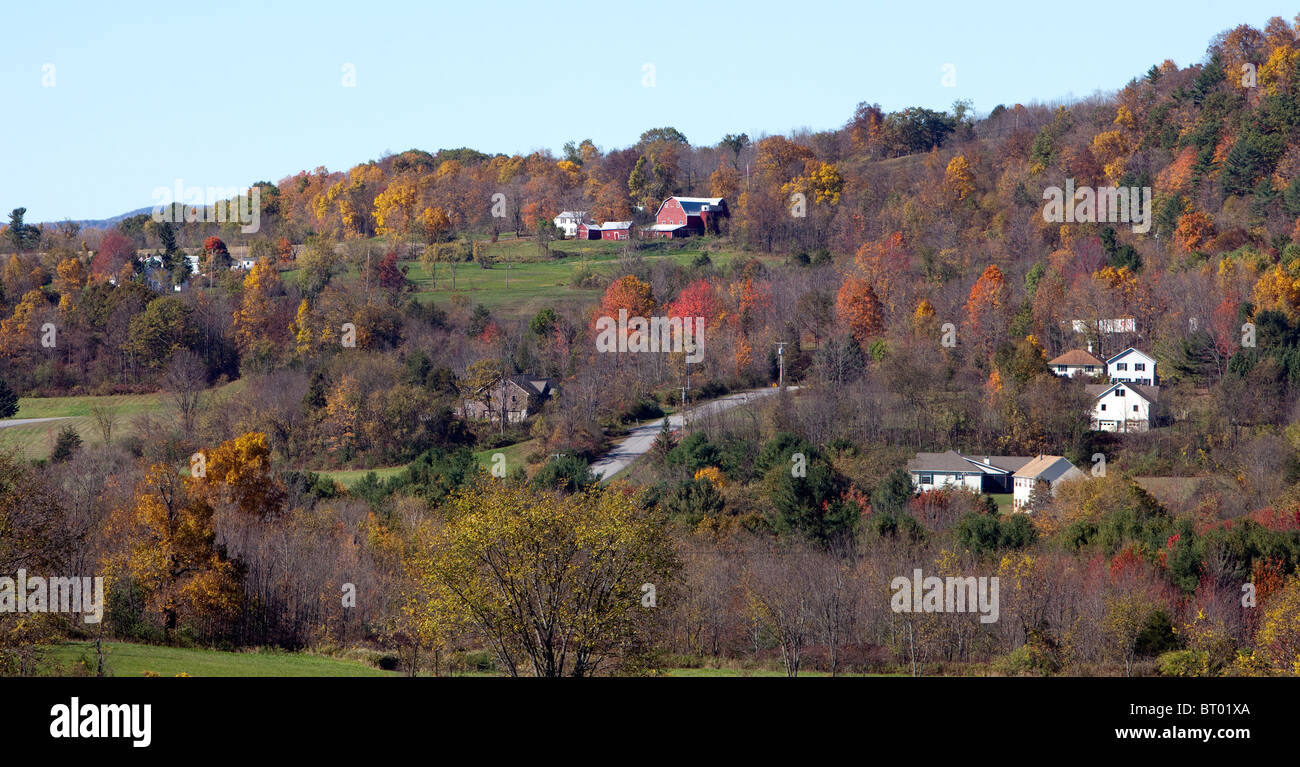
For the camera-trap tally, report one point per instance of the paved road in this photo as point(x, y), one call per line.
point(639, 440)
point(25, 421)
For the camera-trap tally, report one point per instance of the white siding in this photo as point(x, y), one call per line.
point(1121, 409)
point(1134, 367)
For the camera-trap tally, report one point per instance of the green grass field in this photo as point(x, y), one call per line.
point(516, 455)
point(349, 477)
point(35, 440)
point(535, 281)
point(127, 659)
point(1005, 501)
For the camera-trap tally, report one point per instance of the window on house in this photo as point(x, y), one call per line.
point(1119, 392)
point(1103, 406)
point(1139, 366)
point(927, 479)
point(1121, 366)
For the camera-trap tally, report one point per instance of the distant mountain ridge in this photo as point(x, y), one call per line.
point(102, 223)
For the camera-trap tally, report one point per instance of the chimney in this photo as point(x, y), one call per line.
point(986, 461)
point(1090, 347)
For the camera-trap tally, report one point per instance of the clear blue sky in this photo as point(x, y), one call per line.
point(228, 93)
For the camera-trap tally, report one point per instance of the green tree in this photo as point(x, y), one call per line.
point(893, 495)
point(67, 443)
point(810, 501)
point(568, 473)
point(22, 236)
point(166, 326)
point(8, 401)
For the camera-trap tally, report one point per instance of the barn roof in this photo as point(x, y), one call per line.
point(693, 205)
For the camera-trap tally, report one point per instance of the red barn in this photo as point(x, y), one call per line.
point(683, 216)
point(616, 230)
point(588, 231)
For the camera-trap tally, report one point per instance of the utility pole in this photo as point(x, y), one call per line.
point(780, 357)
point(503, 402)
point(686, 385)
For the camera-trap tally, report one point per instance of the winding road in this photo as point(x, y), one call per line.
point(639, 440)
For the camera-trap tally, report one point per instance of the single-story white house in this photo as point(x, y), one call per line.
point(1048, 470)
point(1122, 407)
point(1132, 366)
point(1077, 362)
point(977, 473)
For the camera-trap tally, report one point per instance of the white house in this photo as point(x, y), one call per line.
point(979, 474)
point(1077, 362)
point(568, 221)
point(1048, 470)
point(1132, 366)
point(1122, 407)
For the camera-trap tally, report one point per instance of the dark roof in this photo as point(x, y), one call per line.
point(947, 461)
point(952, 461)
point(1127, 351)
point(1008, 463)
point(529, 383)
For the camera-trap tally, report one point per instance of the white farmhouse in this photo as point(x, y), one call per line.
point(569, 220)
point(1133, 367)
point(1122, 407)
point(1046, 470)
point(1077, 362)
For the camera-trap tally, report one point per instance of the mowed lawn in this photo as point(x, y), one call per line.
point(349, 477)
point(36, 440)
point(127, 659)
point(522, 282)
point(515, 455)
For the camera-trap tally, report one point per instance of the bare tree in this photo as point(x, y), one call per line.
point(186, 379)
point(106, 419)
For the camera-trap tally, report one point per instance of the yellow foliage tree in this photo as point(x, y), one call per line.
point(239, 471)
point(959, 179)
point(168, 549)
point(553, 582)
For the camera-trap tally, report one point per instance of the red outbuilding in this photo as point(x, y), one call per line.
point(616, 230)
